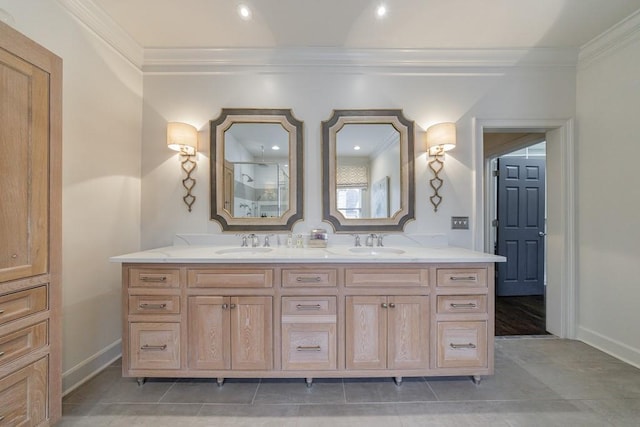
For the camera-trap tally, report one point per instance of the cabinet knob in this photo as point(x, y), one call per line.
point(225, 306)
point(232, 306)
point(383, 305)
point(392, 305)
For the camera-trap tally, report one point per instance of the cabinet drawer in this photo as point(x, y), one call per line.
point(154, 304)
point(308, 306)
point(21, 304)
point(154, 278)
point(309, 278)
point(24, 341)
point(372, 277)
point(230, 278)
point(154, 345)
point(308, 346)
point(457, 304)
point(462, 344)
point(23, 396)
point(464, 277)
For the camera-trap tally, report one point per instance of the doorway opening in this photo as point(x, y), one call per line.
point(517, 206)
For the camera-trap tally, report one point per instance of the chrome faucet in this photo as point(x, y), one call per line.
point(266, 240)
point(357, 242)
point(244, 240)
point(255, 241)
point(371, 240)
point(380, 236)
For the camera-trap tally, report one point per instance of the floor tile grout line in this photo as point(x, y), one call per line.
point(255, 393)
point(166, 392)
point(432, 390)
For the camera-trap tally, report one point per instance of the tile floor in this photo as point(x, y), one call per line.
point(538, 382)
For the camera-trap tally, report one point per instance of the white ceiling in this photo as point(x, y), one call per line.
point(410, 24)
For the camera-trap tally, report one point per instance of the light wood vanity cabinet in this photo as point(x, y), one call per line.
point(307, 320)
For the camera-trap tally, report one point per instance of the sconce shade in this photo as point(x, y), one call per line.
point(441, 137)
point(182, 137)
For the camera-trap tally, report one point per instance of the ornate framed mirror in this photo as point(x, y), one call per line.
point(368, 170)
point(256, 169)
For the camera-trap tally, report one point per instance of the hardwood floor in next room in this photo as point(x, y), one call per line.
point(521, 315)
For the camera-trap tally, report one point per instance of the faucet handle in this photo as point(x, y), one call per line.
point(244, 240)
point(380, 236)
point(357, 240)
point(266, 240)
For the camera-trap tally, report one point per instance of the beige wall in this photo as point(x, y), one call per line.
point(102, 114)
point(608, 153)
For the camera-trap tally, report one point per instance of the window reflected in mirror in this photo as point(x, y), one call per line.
point(368, 170)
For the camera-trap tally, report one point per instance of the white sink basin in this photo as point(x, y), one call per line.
point(244, 251)
point(376, 251)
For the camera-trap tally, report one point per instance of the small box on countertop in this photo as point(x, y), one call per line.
point(318, 238)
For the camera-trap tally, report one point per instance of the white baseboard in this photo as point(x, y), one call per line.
point(90, 367)
point(614, 348)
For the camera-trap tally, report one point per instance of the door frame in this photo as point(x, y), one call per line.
point(561, 317)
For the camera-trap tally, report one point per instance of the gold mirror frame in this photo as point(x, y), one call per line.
point(293, 126)
point(330, 128)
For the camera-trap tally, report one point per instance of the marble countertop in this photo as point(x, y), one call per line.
point(333, 254)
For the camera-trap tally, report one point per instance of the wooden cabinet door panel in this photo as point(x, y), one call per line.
point(366, 325)
point(408, 325)
point(24, 167)
point(209, 333)
point(23, 396)
point(251, 333)
point(308, 346)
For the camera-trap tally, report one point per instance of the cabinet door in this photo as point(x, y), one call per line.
point(408, 327)
point(251, 333)
point(209, 333)
point(23, 396)
point(366, 325)
point(24, 162)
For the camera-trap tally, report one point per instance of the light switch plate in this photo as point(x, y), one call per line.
point(459, 222)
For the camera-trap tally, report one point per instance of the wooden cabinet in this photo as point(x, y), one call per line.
point(307, 320)
point(464, 320)
point(387, 332)
point(230, 333)
point(309, 333)
point(24, 396)
point(30, 232)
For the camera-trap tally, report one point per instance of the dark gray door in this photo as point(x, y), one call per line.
point(521, 227)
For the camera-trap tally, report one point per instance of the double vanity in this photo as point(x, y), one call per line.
point(340, 311)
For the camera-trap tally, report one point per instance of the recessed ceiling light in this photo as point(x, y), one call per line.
point(356, 147)
point(275, 147)
point(244, 12)
point(381, 11)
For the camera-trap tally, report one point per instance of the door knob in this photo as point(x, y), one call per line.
point(541, 233)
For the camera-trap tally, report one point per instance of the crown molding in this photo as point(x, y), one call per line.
point(387, 61)
point(89, 14)
point(623, 33)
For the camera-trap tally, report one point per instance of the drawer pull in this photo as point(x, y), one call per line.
point(459, 346)
point(153, 347)
point(308, 348)
point(466, 305)
point(1, 353)
point(153, 278)
point(146, 306)
point(1, 311)
point(308, 307)
point(1, 417)
point(463, 278)
point(308, 279)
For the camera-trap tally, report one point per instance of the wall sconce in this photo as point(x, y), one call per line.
point(183, 138)
point(439, 138)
